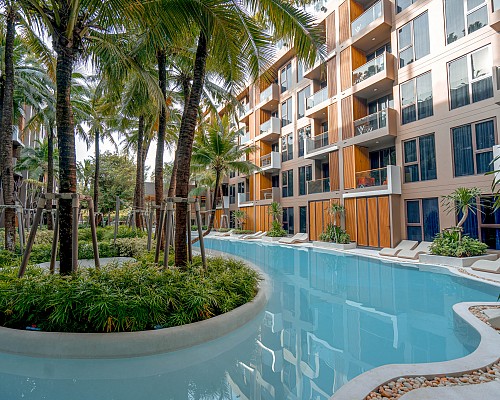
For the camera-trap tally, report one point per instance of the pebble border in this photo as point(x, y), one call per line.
point(483, 278)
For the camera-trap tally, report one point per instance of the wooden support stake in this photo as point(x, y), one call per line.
point(75, 203)
point(94, 234)
point(168, 232)
point(158, 233)
point(27, 252)
point(117, 217)
point(200, 233)
point(188, 226)
point(150, 229)
point(53, 253)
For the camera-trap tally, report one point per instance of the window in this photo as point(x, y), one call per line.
point(232, 194)
point(381, 159)
point(485, 224)
point(287, 147)
point(422, 219)
point(301, 101)
point(496, 5)
point(472, 148)
point(470, 78)
point(286, 112)
point(416, 99)
point(286, 78)
point(403, 4)
point(464, 17)
point(241, 187)
point(232, 174)
point(305, 175)
point(300, 71)
point(381, 50)
point(304, 134)
point(287, 183)
point(303, 219)
point(420, 159)
point(288, 220)
point(413, 40)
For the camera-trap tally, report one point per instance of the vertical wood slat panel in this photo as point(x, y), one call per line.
point(349, 178)
point(355, 10)
point(359, 108)
point(361, 221)
point(330, 32)
point(312, 221)
point(346, 113)
point(319, 218)
point(384, 221)
point(350, 218)
point(333, 125)
point(357, 59)
point(372, 222)
point(345, 69)
point(361, 159)
point(344, 22)
point(334, 171)
point(331, 66)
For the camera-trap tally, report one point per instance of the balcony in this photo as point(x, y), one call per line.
point(495, 16)
point(244, 137)
point(375, 128)
point(223, 203)
point(269, 98)
point(244, 200)
point(377, 182)
point(270, 195)
point(270, 162)
point(317, 104)
point(373, 27)
point(16, 140)
point(318, 147)
point(375, 75)
point(244, 112)
point(318, 70)
point(318, 186)
point(270, 130)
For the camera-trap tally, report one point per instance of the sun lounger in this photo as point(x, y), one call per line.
point(403, 245)
point(228, 233)
point(250, 235)
point(255, 236)
point(298, 238)
point(487, 266)
point(422, 248)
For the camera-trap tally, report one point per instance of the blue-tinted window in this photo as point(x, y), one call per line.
point(413, 211)
point(427, 228)
point(427, 158)
point(430, 209)
point(303, 219)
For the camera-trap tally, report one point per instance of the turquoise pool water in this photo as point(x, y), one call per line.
point(330, 318)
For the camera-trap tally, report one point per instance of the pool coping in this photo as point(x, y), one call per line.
point(62, 345)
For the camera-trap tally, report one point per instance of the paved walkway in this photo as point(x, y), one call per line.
point(483, 391)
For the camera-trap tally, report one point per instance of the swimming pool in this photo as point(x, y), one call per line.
point(330, 318)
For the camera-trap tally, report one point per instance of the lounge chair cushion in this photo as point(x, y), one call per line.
point(487, 266)
point(403, 245)
point(422, 248)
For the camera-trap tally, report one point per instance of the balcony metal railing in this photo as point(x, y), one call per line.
point(369, 69)
point(317, 142)
point(366, 18)
point(268, 92)
point(317, 98)
point(318, 186)
point(370, 123)
point(371, 178)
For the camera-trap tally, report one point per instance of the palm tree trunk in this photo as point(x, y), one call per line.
point(185, 149)
point(161, 57)
point(66, 145)
point(6, 166)
point(50, 173)
point(96, 172)
point(139, 176)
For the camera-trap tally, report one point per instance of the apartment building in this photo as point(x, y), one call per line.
point(403, 109)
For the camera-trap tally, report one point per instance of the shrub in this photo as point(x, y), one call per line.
point(194, 227)
point(223, 230)
point(242, 231)
point(335, 234)
point(131, 247)
point(448, 243)
point(129, 298)
point(276, 230)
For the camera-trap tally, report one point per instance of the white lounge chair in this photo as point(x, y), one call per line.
point(248, 236)
point(228, 233)
point(258, 235)
point(487, 266)
point(403, 245)
point(422, 248)
point(298, 238)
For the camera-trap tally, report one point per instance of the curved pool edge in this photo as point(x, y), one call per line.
point(487, 353)
point(62, 345)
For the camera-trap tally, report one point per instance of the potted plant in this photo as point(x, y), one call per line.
point(276, 232)
point(451, 247)
point(334, 237)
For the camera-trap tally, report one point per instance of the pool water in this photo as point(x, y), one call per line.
point(330, 318)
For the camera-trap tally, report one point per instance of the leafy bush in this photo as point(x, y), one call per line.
point(242, 231)
point(448, 243)
point(223, 230)
point(129, 298)
point(276, 230)
point(335, 234)
point(131, 247)
point(194, 227)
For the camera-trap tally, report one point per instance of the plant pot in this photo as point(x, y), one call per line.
point(334, 246)
point(456, 262)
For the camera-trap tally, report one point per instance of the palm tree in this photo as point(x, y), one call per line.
point(35, 160)
point(217, 149)
point(462, 200)
point(240, 216)
point(335, 210)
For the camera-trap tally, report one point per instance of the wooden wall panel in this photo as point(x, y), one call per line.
point(334, 171)
point(251, 187)
point(361, 220)
point(333, 124)
point(349, 178)
point(355, 10)
point(330, 32)
point(344, 22)
point(312, 220)
point(345, 69)
point(218, 215)
point(350, 218)
point(346, 114)
point(361, 159)
point(331, 66)
point(357, 59)
point(384, 221)
point(319, 218)
point(372, 222)
point(250, 219)
point(359, 108)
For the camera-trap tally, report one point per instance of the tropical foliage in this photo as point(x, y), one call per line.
point(276, 211)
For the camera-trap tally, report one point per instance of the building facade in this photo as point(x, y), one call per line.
point(402, 110)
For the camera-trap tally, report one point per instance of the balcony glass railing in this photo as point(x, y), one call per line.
point(366, 18)
point(245, 138)
point(496, 5)
point(318, 186)
point(244, 197)
point(370, 123)
point(369, 69)
point(244, 110)
point(371, 178)
point(266, 194)
point(317, 142)
point(317, 98)
point(266, 127)
point(268, 92)
point(265, 161)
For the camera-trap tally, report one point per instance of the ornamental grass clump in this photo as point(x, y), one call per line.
point(129, 298)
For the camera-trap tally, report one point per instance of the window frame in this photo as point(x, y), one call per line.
point(284, 71)
point(287, 189)
point(418, 161)
point(415, 98)
point(288, 108)
point(412, 37)
point(420, 215)
point(307, 88)
point(302, 140)
point(305, 168)
point(287, 147)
